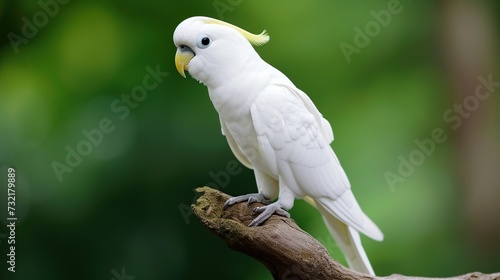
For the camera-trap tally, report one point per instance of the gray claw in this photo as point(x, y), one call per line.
point(260, 198)
point(250, 198)
point(266, 212)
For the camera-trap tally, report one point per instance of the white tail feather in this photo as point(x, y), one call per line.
point(349, 241)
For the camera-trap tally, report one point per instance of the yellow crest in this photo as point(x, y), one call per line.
point(254, 39)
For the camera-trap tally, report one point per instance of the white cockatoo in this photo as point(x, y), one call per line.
point(275, 129)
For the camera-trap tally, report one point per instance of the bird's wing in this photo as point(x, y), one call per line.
point(234, 146)
point(325, 127)
point(293, 144)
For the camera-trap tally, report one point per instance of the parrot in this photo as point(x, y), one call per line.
point(275, 129)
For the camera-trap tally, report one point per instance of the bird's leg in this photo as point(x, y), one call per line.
point(267, 211)
point(249, 198)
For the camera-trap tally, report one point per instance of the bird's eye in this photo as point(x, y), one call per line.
point(203, 42)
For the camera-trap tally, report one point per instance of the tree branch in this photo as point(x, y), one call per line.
point(286, 250)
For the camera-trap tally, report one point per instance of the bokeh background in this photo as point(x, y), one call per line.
point(121, 210)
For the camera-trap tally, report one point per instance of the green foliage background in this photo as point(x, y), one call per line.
point(124, 205)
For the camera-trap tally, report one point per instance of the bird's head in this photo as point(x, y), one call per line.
point(206, 46)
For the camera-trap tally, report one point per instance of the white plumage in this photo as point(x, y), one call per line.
point(275, 129)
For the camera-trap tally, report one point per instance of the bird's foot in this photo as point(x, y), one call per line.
point(267, 211)
point(249, 198)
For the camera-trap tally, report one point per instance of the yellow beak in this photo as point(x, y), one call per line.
point(182, 59)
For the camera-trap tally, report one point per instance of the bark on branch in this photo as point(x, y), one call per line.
point(286, 250)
